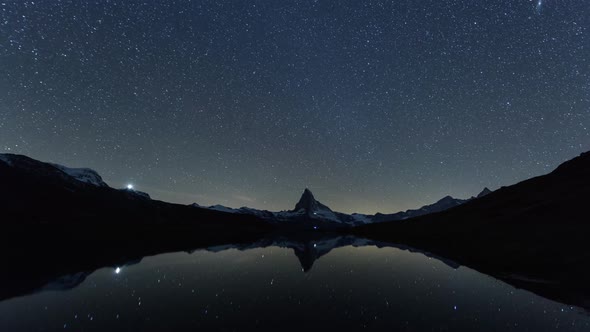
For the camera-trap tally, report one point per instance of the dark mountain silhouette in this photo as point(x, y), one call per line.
point(42, 193)
point(484, 192)
point(59, 221)
point(532, 232)
point(444, 203)
point(555, 198)
point(309, 204)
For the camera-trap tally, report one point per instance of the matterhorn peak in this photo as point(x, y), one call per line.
point(312, 208)
point(307, 202)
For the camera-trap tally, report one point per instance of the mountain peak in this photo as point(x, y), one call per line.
point(484, 192)
point(307, 202)
point(314, 209)
point(446, 199)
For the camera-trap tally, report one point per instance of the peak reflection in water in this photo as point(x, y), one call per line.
point(262, 287)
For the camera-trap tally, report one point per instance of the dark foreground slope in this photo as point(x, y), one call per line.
point(52, 225)
point(37, 193)
point(535, 233)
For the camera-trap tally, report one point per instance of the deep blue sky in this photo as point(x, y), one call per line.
point(373, 105)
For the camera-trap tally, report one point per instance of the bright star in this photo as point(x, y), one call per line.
point(118, 270)
point(130, 186)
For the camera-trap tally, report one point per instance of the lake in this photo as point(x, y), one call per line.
point(281, 285)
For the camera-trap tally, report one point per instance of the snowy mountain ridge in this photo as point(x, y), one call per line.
point(308, 208)
point(85, 175)
point(307, 213)
point(74, 176)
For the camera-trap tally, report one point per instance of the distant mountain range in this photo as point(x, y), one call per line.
point(533, 234)
point(308, 211)
point(311, 210)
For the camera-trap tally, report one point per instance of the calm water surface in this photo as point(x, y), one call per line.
point(349, 288)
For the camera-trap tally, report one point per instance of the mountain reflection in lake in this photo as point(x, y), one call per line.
point(263, 287)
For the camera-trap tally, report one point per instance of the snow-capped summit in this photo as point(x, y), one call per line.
point(86, 175)
point(76, 178)
point(26, 164)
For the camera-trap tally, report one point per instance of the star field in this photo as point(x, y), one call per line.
point(373, 105)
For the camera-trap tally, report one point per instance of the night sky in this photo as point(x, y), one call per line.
point(373, 105)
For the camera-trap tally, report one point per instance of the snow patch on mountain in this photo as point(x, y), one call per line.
point(222, 208)
point(25, 163)
point(85, 175)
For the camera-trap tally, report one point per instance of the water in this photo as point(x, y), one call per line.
point(257, 289)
